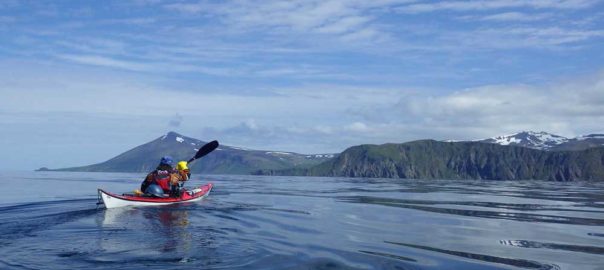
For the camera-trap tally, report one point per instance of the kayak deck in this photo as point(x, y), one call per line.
point(111, 200)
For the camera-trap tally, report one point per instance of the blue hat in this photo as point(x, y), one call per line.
point(166, 160)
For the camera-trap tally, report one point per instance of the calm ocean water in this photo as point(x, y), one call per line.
point(49, 220)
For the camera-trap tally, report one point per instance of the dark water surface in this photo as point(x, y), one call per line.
point(49, 220)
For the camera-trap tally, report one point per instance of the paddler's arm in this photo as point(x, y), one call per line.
point(183, 175)
point(186, 175)
point(177, 177)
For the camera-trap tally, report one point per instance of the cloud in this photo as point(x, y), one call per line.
point(97, 46)
point(484, 5)
point(186, 7)
point(7, 19)
point(103, 61)
point(568, 108)
point(509, 17)
point(301, 139)
point(152, 65)
point(332, 17)
point(300, 41)
point(175, 121)
point(520, 37)
point(343, 25)
point(129, 21)
point(358, 127)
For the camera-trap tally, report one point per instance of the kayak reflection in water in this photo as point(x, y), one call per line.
point(165, 179)
point(161, 230)
point(169, 225)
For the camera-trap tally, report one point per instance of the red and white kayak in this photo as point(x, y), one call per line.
point(111, 200)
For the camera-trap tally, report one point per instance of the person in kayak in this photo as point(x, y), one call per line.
point(183, 169)
point(166, 177)
point(183, 174)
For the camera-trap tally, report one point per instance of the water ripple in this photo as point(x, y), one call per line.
point(518, 216)
point(485, 258)
point(535, 244)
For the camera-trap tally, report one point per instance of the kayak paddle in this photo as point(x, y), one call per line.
point(204, 150)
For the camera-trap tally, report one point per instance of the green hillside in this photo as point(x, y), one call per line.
point(428, 159)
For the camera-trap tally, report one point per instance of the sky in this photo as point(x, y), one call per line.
point(83, 81)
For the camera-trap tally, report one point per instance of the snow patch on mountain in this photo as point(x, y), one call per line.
point(278, 153)
point(536, 140)
point(507, 140)
point(179, 139)
point(321, 156)
point(240, 148)
point(548, 141)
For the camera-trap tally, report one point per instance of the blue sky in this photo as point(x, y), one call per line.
point(82, 81)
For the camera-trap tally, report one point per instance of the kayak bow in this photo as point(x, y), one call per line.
point(111, 200)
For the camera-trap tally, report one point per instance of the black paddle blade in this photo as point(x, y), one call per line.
point(204, 150)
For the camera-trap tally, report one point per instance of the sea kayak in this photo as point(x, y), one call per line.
point(111, 200)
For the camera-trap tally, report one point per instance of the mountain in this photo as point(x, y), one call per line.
point(429, 159)
point(526, 155)
point(530, 139)
point(548, 141)
point(582, 142)
point(224, 160)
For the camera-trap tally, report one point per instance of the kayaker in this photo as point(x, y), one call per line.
point(183, 169)
point(183, 175)
point(165, 176)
